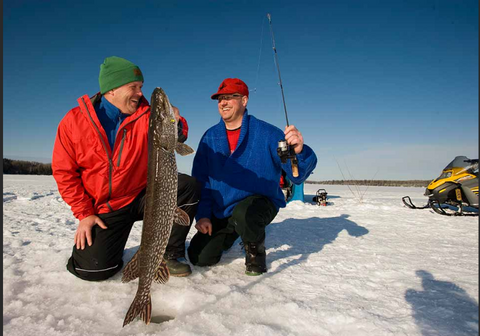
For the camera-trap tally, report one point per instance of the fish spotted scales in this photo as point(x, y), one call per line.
point(161, 210)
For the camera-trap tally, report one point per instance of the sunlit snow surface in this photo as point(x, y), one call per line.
point(372, 267)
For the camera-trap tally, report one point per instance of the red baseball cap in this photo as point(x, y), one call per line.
point(231, 86)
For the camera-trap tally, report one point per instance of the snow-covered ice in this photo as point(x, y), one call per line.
point(372, 267)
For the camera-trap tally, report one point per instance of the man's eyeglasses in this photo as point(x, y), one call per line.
point(229, 97)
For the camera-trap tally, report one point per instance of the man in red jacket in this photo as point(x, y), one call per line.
point(100, 165)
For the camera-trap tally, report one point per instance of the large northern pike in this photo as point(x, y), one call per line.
point(160, 207)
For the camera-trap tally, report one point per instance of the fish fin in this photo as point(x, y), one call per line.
point(130, 272)
point(162, 274)
point(181, 218)
point(184, 149)
point(142, 306)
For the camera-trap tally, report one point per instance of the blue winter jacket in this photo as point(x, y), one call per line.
point(254, 168)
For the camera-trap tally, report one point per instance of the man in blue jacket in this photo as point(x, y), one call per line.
point(239, 169)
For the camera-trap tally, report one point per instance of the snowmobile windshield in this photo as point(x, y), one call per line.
point(471, 166)
point(459, 162)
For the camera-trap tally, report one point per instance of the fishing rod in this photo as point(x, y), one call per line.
point(284, 150)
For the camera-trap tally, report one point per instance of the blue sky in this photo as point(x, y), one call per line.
point(384, 89)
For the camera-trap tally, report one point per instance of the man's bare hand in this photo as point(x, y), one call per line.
point(204, 225)
point(84, 231)
point(294, 138)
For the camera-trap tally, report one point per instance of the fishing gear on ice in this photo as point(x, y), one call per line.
point(321, 197)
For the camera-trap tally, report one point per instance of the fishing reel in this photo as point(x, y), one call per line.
point(286, 152)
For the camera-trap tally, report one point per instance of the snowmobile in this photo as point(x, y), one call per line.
point(456, 187)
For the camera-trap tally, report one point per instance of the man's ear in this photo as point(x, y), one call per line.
point(244, 101)
point(110, 93)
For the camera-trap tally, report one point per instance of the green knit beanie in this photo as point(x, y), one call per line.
point(117, 71)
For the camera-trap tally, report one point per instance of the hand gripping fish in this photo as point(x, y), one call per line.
point(160, 208)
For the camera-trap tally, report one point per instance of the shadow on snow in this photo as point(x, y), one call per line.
point(442, 308)
point(298, 237)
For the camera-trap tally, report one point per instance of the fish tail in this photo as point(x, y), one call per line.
point(130, 272)
point(142, 306)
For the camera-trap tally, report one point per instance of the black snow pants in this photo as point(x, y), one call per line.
point(104, 258)
point(249, 219)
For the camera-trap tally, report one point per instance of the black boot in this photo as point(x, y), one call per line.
point(255, 258)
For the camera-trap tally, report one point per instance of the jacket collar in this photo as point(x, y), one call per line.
point(220, 133)
point(109, 110)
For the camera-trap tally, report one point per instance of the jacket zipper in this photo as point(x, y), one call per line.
point(110, 163)
point(121, 147)
point(124, 136)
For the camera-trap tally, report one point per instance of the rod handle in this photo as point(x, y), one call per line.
point(294, 168)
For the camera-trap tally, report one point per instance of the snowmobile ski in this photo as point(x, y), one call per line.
point(408, 202)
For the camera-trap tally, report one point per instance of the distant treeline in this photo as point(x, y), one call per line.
point(381, 183)
point(37, 168)
point(26, 167)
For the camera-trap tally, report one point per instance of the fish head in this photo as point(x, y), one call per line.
point(163, 125)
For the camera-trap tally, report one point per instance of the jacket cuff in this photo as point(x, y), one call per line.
point(203, 214)
point(305, 153)
point(84, 215)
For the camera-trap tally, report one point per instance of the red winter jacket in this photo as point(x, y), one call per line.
point(92, 178)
